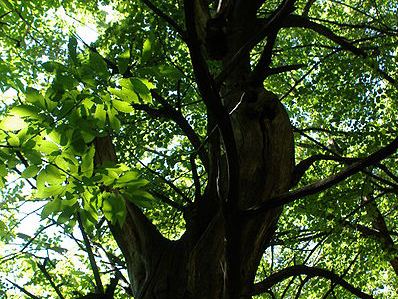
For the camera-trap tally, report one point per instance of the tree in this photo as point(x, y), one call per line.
point(230, 149)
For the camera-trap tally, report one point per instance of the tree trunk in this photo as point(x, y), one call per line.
point(219, 253)
point(194, 266)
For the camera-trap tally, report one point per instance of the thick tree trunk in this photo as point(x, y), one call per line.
point(194, 266)
point(219, 253)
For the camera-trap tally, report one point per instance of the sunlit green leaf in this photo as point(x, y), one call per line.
point(30, 171)
point(13, 123)
point(87, 166)
point(122, 106)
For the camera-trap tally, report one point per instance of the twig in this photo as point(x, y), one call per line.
point(23, 290)
point(94, 267)
point(47, 275)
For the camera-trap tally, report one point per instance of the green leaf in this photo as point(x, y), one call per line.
point(67, 213)
point(26, 111)
point(3, 229)
point(48, 147)
point(123, 61)
point(100, 115)
point(52, 207)
point(126, 95)
point(87, 166)
point(3, 170)
point(169, 71)
point(122, 106)
point(113, 120)
point(13, 140)
point(128, 177)
point(33, 156)
point(13, 123)
point(52, 66)
point(77, 142)
point(6, 4)
point(72, 46)
point(34, 97)
point(139, 197)
point(30, 172)
point(146, 50)
point(49, 182)
point(98, 64)
point(141, 88)
point(114, 208)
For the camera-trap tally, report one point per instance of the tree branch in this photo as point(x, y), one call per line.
point(168, 112)
point(166, 200)
point(195, 177)
point(184, 125)
point(305, 164)
point(270, 25)
point(138, 238)
point(281, 275)
point(98, 283)
point(216, 110)
point(283, 69)
point(307, 7)
point(327, 182)
point(47, 275)
point(261, 69)
point(23, 290)
point(299, 21)
point(166, 18)
point(169, 183)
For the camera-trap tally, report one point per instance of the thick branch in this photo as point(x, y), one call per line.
point(138, 238)
point(307, 7)
point(271, 25)
point(210, 95)
point(281, 275)
point(326, 183)
point(260, 71)
point(212, 100)
point(304, 165)
point(195, 177)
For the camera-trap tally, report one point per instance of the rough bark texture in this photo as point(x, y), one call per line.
point(219, 253)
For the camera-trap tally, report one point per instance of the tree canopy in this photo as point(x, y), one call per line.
point(198, 149)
